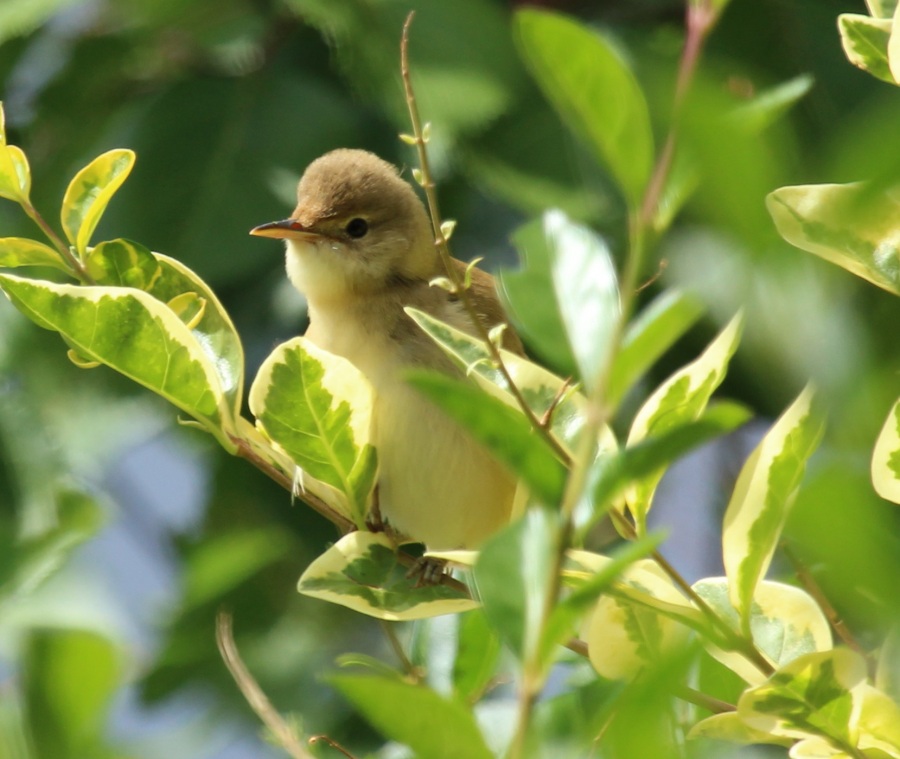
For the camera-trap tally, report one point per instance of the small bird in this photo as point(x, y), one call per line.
point(360, 247)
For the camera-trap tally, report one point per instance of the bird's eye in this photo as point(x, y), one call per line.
point(357, 228)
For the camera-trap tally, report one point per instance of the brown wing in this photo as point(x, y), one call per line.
point(484, 295)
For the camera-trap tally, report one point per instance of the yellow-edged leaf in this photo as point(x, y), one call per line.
point(22, 251)
point(886, 458)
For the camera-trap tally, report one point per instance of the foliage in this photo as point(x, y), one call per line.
point(751, 660)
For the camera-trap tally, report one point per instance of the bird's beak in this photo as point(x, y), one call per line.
point(286, 228)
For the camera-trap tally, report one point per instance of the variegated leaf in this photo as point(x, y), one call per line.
point(361, 572)
point(865, 40)
point(886, 458)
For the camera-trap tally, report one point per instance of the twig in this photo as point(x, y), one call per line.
point(331, 742)
point(63, 249)
point(805, 576)
point(411, 669)
point(258, 700)
point(547, 417)
point(440, 242)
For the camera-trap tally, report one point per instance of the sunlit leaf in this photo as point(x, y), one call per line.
point(648, 336)
point(583, 76)
point(20, 251)
point(764, 492)
point(513, 577)
point(430, 724)
point(133, 333)
point(89, 193)
point(882, 8)
point(317, 407)
point(810, 697)
point(730, 727)
point(15, 174)
point(624, 638)
point(584, 279)
point(361, 572)
point(123, 263)
point(503, 430)
point(865, 41)
point(852, 225)
point(879, 721)
point(771, 103)
point(477, 655)
point(785, 623)
point(680, 399)
point(893, 48)
point(886, 458)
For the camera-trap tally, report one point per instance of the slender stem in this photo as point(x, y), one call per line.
point(390, 632)
point(698, 698)
point(64, 251)
point(246, 451)
point(440, 242)
point(255, 696)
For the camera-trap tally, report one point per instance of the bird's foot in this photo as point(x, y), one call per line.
point(426, 571)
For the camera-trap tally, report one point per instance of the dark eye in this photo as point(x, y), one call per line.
point(357, 228)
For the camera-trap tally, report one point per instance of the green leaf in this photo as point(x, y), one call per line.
point(513, 576)
point(893, 47)
point(214, 331)
point(650, 335)
point(529, 299)
point(682, 398)
point(886, 458)
point(21, 251)
point(583, 76)
point(810, 697)
point(785, 624)
point(477, 654)
point(15, 174)
point(568, 613)
point(431, 725)
point(770, 104)
point(70, 677)
point(123, 263)
point(763, 494)
point(541, 389)
point(879, 721)
point(624, 637)
point(318, 408)
point(882, 8)
point(854, 226)
point(865, 40)
point(730, 727)
point(502, 429)
point(584, 279)
point(89, 193)
point(613, 472)
point(135, 334)
point(361, 572)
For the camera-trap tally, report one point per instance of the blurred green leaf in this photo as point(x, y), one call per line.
point(530, 301)
point(317, 407)
point(70, 677)
point(20, 251)
point(133, 333)
point(729, 726)
point(512, 575)
point(567, 724)
point(680, 399)
point(881, 8)
point(593, 90)
point(612, 473)
point(811, 696)
point(361, 572)
point(886, 457)
point(785, 624)
point(584, 279)
point(852, 225)
point(502, 429)
point(19, 17)
point(416, 716)
point(763, 494)
point(770, 104)
point(865, 41)
point(879, 721)
point(89, 193)
point(477, 655)
point(15, 175)
point(123, 263)
point(648, 336)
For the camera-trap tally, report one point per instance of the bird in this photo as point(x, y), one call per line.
point(359, 246)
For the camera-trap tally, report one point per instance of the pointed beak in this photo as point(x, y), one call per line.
point(286, 228)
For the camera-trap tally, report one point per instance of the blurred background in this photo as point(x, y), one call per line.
point(122, 533)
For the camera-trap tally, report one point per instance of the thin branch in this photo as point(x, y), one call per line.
point(64, 251)
point(331, 742)
point(248, 686)
point(390, 632)
point(443, 250)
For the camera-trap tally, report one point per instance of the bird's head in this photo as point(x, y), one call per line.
point(357, 228)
